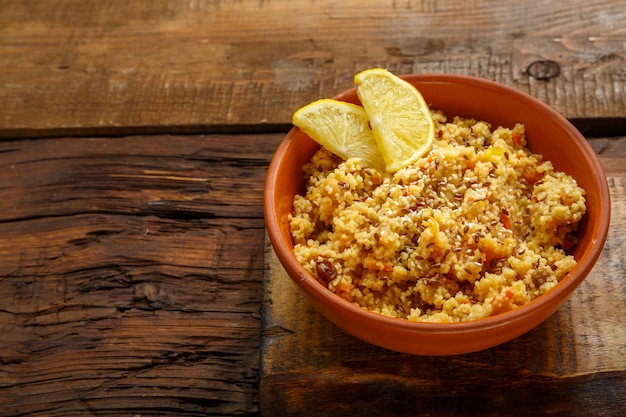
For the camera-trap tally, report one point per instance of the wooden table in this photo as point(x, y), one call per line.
point(135, 277)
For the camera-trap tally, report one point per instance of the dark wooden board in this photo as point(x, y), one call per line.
point(571, 365)
point(130, 275)
point(84, 67)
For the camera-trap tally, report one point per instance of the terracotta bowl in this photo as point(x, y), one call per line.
point(548, 133)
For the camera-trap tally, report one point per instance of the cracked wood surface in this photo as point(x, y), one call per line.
point(79, 67)
point(131, 273)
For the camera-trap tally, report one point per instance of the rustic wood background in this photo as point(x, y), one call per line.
point(81, 66)
point(135, 137)
point(131, 274)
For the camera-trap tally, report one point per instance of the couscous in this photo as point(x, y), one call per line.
point(477, 226)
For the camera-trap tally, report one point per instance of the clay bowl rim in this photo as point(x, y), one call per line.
point(312, 288)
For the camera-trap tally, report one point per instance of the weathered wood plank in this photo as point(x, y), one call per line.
point(171, 176)
point(164, 322)
point(572, 364)
point(111, 306)
point(82, 67)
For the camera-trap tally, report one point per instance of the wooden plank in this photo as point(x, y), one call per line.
point(112, 304)
point(572, 364)
point(173, 176)
point(84, 67)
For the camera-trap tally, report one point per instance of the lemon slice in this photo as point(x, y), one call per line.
point(342, 128)
point(399, 117)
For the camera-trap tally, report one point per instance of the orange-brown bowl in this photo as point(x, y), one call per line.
point(548, 133)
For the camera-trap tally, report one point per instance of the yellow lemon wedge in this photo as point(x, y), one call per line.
point(399, 117)
point(342, 128)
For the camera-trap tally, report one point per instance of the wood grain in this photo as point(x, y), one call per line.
point(83, 67)
point(131, 271)
point(571, 365)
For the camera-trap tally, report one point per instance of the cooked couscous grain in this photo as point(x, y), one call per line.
point(477, 226)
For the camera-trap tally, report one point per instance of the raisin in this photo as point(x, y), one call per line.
point(540, 276)
point(326, 271)
point(531, 175)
